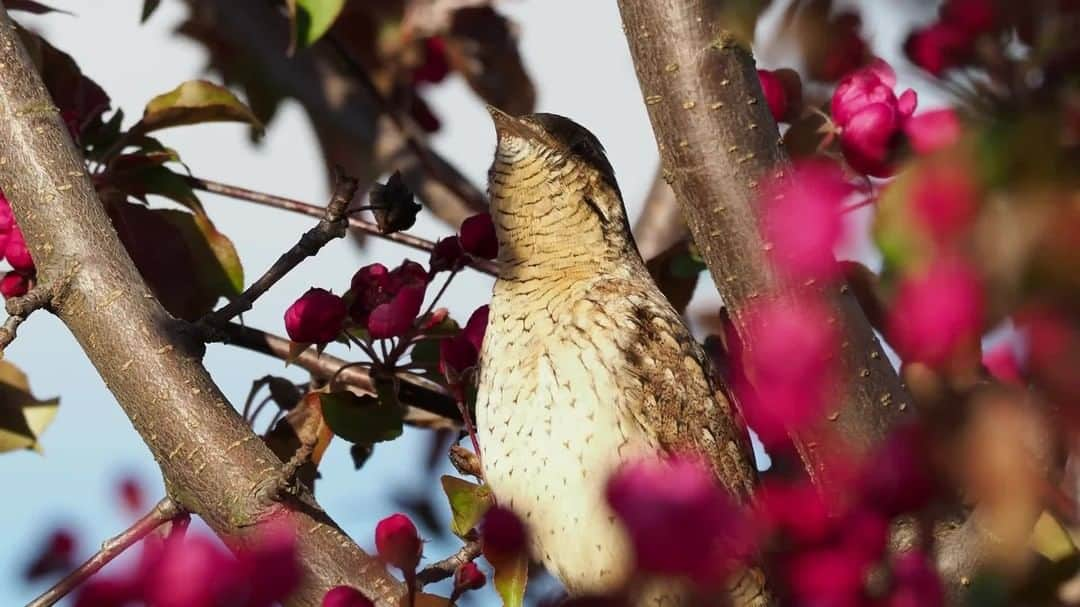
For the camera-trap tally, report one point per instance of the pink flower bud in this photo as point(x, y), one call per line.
point(315, 318)
point(933, 130)
point(478, 236)
point(775, 95)
point(468, 577)
point(435, 67)
point(14, 284)
point(396, 294)
point(868, 140)
point(915, 582)
point(345, 596)
point(395, 318)
point(944, 200)
point(398, 542)
point(1004, 365)
point(938, 48)
point(974, 17)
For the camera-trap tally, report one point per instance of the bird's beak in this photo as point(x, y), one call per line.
point(505, 124)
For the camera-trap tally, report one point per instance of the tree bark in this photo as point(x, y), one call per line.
point(213, 464)
point(718, 143)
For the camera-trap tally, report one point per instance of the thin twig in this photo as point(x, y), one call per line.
point(165, 511)
point(288, 204)
point(445, 568)
point(415, 391)
point(332, 225)
point(19, 308)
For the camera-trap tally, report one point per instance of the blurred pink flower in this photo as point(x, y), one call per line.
point(831, 576)
point(478, 236)
point(16, 252)
point(803, 220)
point(936, 312)
point(933, 130)
point(315, 318)
point(974, 17)
point(898, 477)
point(1004, 365)
point(461, 352)
point(938, 47)
point(447, 255)
point(790, 365)
point(56, 555)
point(944, 200)
point(503, 534)
point(680, 521)
point(467, 577)
point(398, 542)
point(131, 496)
point(915, 582)
point(345, 596)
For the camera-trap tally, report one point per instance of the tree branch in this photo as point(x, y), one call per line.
point(331, 226)
point(165, 511)
point(440, 570)
point(210, 459)
point(288, 204)
point(418, 393)
point(19, 308)
point(660, 224)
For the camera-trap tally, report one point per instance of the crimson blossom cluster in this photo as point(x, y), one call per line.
point(13, 248)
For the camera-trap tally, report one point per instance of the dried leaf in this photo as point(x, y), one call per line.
point(393, 205)
point(482, 46)
point(194, 102)
point(22, 417)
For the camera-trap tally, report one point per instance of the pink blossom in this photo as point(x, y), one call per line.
point(398, 542)
point(974, 17)
point(870, 116)
point(345, 596)
point(897, 478)
point(467, 577)
point(680, 521)
point(16, 252)
point(795, 511)
point(829, 576)
point(315, 318)
point(803, 220)
point(775, 95)
point(944, 200)
point(478, 236)
point(936, 313)
point(791, 365)
point(933, 130)
point(395, 318)
point(57, 555)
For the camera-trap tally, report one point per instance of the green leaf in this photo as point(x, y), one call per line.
point(311, 19)
point(148, 8)
point(468, 503)
point(194, 102)
point(361, 419)
point(511, 576)
point(222, 268)
point(22, 417)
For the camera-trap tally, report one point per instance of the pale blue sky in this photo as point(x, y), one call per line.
point(577, 55)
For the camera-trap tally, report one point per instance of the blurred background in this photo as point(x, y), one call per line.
point(577, 57)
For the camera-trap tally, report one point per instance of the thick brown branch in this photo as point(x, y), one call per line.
point(165, 511)
point(418, 393)
point(438, 571)
point(660, 224)
point(296, 206)
point(210, 459)
point(331, 226)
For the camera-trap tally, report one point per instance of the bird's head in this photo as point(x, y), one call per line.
point(553, 193)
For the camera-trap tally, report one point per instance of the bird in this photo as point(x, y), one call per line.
point(585, 365)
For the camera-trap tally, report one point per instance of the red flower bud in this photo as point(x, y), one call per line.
point(395, 318)
point(315, 318)
point(478, 236)
point(936, 313)
point(974, 17)
point(468, 577)
point(939, 47)
point(477, 326)
point(14, 284)
point(435, 67)
point(775, 95)
point(398, 542)
point(345, 596)
point(375, 286)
